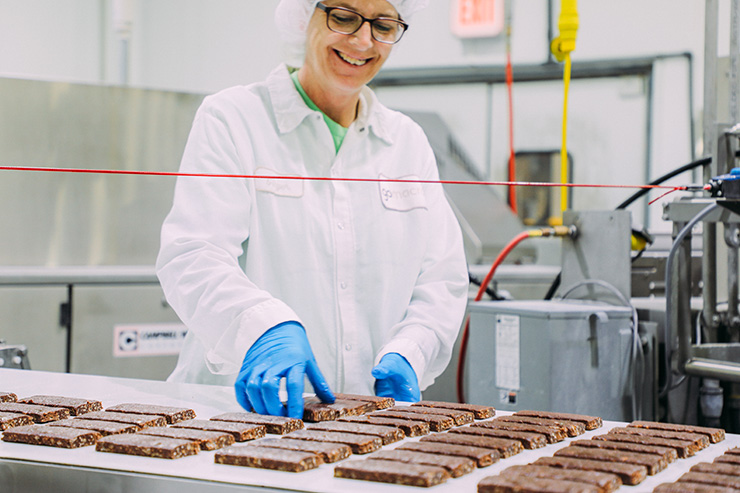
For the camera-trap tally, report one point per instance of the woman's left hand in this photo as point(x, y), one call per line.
point(394, 377)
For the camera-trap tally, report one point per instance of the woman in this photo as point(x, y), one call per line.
point(359, 286)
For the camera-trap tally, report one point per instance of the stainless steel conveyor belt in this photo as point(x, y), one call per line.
point(27, 468)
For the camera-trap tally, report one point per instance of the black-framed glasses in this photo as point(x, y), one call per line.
point(345, 21)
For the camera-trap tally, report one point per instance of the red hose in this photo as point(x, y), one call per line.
point(464, 341)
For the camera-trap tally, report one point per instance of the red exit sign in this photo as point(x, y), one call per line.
point(477, 18)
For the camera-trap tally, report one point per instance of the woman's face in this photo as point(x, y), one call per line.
point(346, 62)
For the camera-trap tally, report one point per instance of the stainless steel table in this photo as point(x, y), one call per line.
point(28, 468)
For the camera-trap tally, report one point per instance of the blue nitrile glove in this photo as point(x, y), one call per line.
point(395, 378)
point(281, 352)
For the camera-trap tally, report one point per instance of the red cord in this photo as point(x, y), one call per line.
point(512, 156)
point(464, 341)
point(327, 178)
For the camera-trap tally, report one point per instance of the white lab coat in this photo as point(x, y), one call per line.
point(368, 268)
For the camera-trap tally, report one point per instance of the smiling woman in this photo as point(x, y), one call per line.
point(361, 287)
point(338, 65)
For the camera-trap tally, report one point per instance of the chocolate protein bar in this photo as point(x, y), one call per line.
point(528, 440)
point(552, 434)
point(76, 406)
point(591, 422)
point(480, 412)
point(523, 484)
point(700, 441)
point(505, 447)
point(360, 444)
point(207, 440)
point(275, 425)
point(437, 422)
point(105, 428)
point(10, 420)
point(148, 446)
point(654, 463)
point(268, 458)
point(39, 414)
point(668, 453)
point(316, 411)
point(330, 452)
point(379, 402)
point(51, 436)
point(388, 434)
point(729, 459)
point(455, 465)
point(683, 448)
point(460, 417)
point(8, 397)
point(171, 414)
point(717, 468)
point(630, 474)
point(140, 420)
point(386, 471)
point(571, 428)
point(241, 432)
point(715, 434)
point(605, 481)
point(410, 428)
point(686, 487)
point(709, 478)
point(483, 457)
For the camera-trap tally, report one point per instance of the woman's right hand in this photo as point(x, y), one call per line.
point(281, 352)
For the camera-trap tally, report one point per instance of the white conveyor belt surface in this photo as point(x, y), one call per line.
point(28, 468)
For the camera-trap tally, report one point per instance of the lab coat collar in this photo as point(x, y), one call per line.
point(291, 110)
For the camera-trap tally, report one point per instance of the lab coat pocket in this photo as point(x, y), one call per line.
point(282, 185)
point(402, 195)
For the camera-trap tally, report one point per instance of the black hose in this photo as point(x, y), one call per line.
point(554, 286)
point(667, 176)
point(489, 290)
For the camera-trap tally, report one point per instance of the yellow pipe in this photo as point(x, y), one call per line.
point(564, 145)
point(561, 47)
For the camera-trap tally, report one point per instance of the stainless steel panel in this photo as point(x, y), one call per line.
point(30, 316)
point(601, 251)
point(97, 310)
point(23, 477)
point(82, 219)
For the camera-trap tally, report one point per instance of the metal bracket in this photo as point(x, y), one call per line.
point(14, 356)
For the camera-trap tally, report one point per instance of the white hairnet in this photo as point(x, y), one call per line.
point(292, 17)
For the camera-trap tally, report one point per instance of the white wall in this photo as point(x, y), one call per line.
point(205, 45)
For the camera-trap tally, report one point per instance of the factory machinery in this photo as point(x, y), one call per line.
point(659, 336)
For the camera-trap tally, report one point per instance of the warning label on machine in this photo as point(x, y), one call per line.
point(507, 351)
point(147, 339)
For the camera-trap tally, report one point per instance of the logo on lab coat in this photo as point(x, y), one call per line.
point(402, 196)
point(284, 187)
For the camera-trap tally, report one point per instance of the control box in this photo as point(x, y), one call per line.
point(563, 356)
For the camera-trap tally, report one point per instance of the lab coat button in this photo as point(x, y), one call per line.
point(340, 225)
point(343, 285)
point(348, 347)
